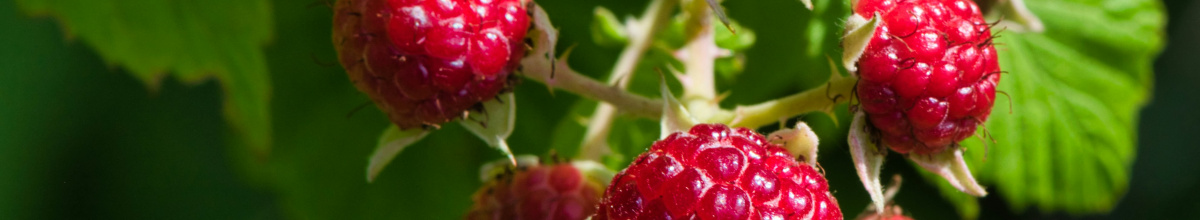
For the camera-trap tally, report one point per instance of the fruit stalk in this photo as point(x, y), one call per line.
point(561, 76)
point(836, 91)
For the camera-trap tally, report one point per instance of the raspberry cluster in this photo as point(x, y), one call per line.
point(929, 74)
point(714, 172)
point(540, 192)
point(426, 62)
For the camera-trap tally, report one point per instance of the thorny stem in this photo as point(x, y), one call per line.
point(568, 79)
point(698, 55)
point(837, 90)
point(700, 90)
point(700, 52)
point(642, 32)
point(595, 140)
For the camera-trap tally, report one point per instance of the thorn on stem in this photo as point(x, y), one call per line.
point(357, 108)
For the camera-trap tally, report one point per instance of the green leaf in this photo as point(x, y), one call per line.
point(495, 124)
point(1075, 92)
point(607, 30)
point(728, 68)
point(569, 130)
point(391, 142)
point(192, 40)
point(738, 42)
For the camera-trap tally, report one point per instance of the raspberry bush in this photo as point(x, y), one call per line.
point(917, 82)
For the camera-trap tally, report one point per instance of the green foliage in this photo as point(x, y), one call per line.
point(1075, 92)
point(607, 30)
point(192, 41)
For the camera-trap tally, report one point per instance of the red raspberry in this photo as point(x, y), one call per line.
point(929, 74)
point(426, 62)
point(539, 192)
point(714, 172)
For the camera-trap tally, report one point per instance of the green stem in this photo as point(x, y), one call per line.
point(837, 90)
point(568, 79)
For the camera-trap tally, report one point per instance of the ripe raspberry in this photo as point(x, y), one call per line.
point(537, 192)
point(929, 74)
point(425, 62)
point(714, 172)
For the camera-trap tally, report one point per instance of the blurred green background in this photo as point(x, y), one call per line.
point(82, 138)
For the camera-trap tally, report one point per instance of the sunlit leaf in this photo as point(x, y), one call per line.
point(1074, 91)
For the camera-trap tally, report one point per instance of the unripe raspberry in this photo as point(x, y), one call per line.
point(560, 191)
point(929, 73)
point(892, 212)
point(714, 172)
point(426, 62)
